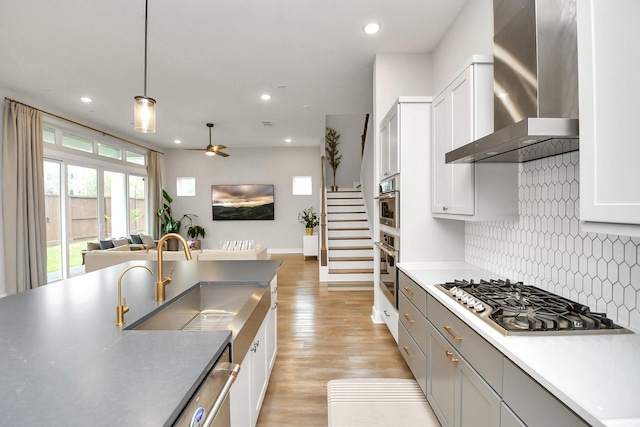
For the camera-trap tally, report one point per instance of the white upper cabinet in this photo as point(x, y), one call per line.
point(463, 112)
point(389, 145)
point(609, 122)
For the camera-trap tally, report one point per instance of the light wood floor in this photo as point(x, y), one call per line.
point(322, 336)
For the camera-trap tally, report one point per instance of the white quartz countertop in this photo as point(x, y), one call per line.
point(597, 376)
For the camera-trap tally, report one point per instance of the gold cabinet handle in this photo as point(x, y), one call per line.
point(409, 319)
point(408, 290)
point(452, 359)
point(450, 332)
point(406, 350)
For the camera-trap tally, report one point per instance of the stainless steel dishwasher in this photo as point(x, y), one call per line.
point(209, 406)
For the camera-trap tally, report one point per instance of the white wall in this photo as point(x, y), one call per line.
point(275, 166)
point(350, 127)
point(470, 34)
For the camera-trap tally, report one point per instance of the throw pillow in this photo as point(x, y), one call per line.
point(136, 240)
point(120, 242)
point(93, 246)
point(106, 244)
point(148, 240)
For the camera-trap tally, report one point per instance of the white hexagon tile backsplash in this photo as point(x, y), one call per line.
point(546, 247)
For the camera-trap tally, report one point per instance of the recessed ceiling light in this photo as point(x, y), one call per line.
point(288, 140)
point(265, 96)
point(372, 28)
point(86, 99)
point(177, 141)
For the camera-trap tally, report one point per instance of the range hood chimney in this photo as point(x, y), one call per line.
point(535, 84)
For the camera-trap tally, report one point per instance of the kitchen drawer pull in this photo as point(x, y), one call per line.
point(452, 359)
point(409, 319)
point(406, 350)
point(386, 313)
point(275, 305)
point(450, 332)
point(408, 290)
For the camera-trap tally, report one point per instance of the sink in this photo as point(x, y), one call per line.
point(214, 307)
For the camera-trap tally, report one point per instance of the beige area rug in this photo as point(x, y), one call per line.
point(370, 402)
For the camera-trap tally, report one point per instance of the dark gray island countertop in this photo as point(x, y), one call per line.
point(63, 361)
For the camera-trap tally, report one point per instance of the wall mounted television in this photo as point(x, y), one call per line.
point(242, 202)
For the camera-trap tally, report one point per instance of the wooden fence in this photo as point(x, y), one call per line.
point(83, 212)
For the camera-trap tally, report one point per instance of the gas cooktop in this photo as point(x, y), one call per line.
point(515, 308)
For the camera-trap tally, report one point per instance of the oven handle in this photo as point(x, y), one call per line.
point(391, 195)
point(233, 370)
point(386, 249)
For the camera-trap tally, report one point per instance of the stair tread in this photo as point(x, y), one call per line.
point(350, 238)
point(350, 270)
point(352, 258)
point(350, 248)
point(348, 229)
point(346, 220)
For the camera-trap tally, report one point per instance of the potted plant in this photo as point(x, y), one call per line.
point(309, 218)
point(193, 231)
point(333, 157)
point(169, 225)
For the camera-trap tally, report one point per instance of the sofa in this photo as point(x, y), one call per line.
point(98, 259)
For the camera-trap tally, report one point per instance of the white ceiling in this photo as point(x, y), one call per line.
point(209, 61)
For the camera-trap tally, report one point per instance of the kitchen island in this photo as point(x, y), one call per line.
point(63, 361)
point(596, 376)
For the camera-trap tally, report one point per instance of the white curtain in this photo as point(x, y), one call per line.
point(155, 191)
point(24, 218)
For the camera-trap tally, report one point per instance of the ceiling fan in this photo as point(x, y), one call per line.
point(212, 150)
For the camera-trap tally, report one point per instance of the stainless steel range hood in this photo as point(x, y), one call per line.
point(535, 84)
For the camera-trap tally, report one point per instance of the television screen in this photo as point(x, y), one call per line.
point(242, 202)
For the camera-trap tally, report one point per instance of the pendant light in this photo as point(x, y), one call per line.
point(144, 108)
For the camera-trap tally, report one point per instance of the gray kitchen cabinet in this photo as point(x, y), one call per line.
point(412, 328)
point(456, 392)
point(508, 418)
point(463, 112)
point(535, 406)
point(609, 173)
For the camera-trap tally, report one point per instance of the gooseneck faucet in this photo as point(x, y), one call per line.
point(122, 308)
point(164, 281)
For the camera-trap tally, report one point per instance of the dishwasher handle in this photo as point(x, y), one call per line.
point(233, 369)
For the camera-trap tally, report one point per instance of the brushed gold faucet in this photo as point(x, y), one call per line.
point(122, 308)
point(164, 281)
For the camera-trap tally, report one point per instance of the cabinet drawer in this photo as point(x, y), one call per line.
point(414, 357)
point(413, 291)
point(413, 321)
point(480, 354)
point(535, 406)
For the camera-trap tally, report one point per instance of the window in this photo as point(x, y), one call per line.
point(109, 151)
point(137, 158)
point(77, 143)
point(302, 186)
point(185, 186)
point(95, 189)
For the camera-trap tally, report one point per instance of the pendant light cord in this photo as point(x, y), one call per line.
point(146, 11)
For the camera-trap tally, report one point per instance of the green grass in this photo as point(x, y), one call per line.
point(53, 256)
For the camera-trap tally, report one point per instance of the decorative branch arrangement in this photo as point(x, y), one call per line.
point(333, 157)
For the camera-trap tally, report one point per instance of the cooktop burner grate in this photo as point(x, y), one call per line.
point(513, 307)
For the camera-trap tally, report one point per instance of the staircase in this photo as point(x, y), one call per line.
point(349, 245)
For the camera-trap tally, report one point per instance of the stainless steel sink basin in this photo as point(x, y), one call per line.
point(213, 307)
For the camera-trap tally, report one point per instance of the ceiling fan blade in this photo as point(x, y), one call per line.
point(219, 147)
point(220, 153)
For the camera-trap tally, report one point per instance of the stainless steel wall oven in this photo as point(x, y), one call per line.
point(389, 202)
point(389, 245)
